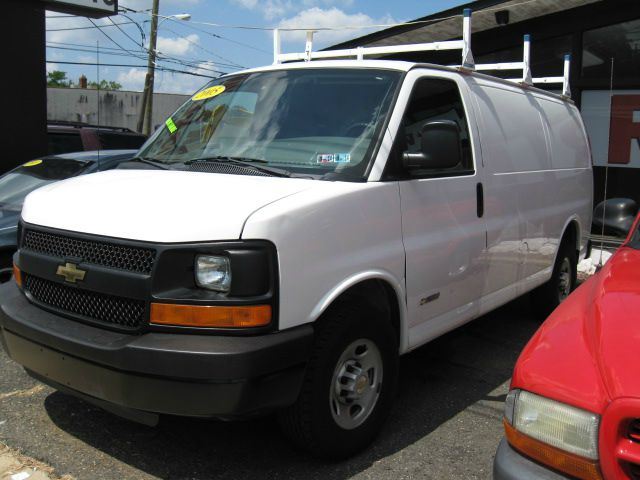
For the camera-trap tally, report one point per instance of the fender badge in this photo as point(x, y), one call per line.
point(70, 272)
point(430, 298)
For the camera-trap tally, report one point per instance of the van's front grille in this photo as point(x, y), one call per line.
point(108, 309)
point(123, 257)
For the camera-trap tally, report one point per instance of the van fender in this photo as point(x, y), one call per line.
point(357, 278)
point(572, 219)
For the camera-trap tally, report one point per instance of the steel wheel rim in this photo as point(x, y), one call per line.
point(564, 280)
point(356, 384)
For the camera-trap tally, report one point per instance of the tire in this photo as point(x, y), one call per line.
point(349, 383)
point(562, 283)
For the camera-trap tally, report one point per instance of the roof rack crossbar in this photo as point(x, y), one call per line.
point(525, 66)
point(366, 51)
point(464, 45)
point(500, 66)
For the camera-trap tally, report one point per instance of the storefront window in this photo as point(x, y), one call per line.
point(620, 42)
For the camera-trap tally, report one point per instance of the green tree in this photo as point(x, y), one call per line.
point(57, 78)
point(105, 85)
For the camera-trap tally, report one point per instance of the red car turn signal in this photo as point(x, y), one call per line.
point(555, 458)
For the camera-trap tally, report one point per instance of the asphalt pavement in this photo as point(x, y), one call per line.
point(446, 422)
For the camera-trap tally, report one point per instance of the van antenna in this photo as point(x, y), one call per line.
point(98, 93)
point(606, 178)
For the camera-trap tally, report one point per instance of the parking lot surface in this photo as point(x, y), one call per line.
point(446, 422)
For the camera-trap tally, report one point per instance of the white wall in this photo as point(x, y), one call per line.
point(117, 108)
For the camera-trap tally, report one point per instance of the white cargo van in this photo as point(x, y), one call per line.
point(296, 229)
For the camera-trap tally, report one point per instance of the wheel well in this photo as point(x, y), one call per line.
point(6, 262)
point(380, 295)
point(571, 235)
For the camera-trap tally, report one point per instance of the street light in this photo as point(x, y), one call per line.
point(179, 16)
point(146, 109)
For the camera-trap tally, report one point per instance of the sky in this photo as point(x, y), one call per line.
point(206, 51)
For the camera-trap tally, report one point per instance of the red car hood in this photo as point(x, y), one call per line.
point(587, 353)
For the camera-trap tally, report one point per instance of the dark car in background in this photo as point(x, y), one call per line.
point(17, 183)
point(65, 137)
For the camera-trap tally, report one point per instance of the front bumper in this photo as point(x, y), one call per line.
point(170, 373)
point(508, 464)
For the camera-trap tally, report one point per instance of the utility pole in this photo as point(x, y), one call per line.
point(146, 109)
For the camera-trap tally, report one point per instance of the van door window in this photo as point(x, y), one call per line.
point(432, 99)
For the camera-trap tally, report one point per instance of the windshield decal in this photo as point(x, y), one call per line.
point(327, 158)
point(32, 163)
point(209, 92)
point(170, 125)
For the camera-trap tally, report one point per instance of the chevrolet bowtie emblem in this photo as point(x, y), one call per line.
point(70, 272)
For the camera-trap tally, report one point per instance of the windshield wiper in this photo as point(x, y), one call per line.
point(150, 161)
point(243, 162)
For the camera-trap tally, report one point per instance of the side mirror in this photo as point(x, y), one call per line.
point(619, 214)
point(440, 147)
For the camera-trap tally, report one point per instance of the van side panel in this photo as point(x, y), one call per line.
point(514, 150)
point(571, 160)
point(537, 163)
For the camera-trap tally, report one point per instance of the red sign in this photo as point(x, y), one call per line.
point(623, 130)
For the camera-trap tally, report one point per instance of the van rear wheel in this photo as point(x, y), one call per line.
point(349, 383)
point(562, 283)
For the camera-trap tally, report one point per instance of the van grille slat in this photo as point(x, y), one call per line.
point(133, 259)
point(116, 311)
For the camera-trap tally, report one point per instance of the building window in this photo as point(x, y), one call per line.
point(620, 42)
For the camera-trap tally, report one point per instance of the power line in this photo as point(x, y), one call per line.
point(85, 28)
point(142, 55)
point(141, 58)
point(188, 63)
point(126, 34)
point(113, 41)
point(164, 69)
point(215, 35)
point(204, 49)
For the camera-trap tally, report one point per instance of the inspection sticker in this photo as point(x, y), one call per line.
point(170, 125)
point(209, 92)
point(32, 163)
point(325, 158)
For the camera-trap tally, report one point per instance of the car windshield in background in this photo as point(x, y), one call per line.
point(16, 184)
point(308, 121)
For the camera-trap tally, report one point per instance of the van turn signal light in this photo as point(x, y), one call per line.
point(210, 315)
point(17, 274)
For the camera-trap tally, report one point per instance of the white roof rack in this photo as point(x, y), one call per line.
point(464, 45)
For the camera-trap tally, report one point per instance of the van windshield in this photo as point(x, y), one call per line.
point(308, 121)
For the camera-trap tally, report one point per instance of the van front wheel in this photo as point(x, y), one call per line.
point(349, 384)
point(562, 282)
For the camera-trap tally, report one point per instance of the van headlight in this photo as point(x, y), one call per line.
point(553, 433)
point(213, 272)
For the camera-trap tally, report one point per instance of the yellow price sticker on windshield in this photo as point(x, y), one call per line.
point(32, 163)
point(209, 92)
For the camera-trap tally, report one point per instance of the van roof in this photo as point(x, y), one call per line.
point(402, 66)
